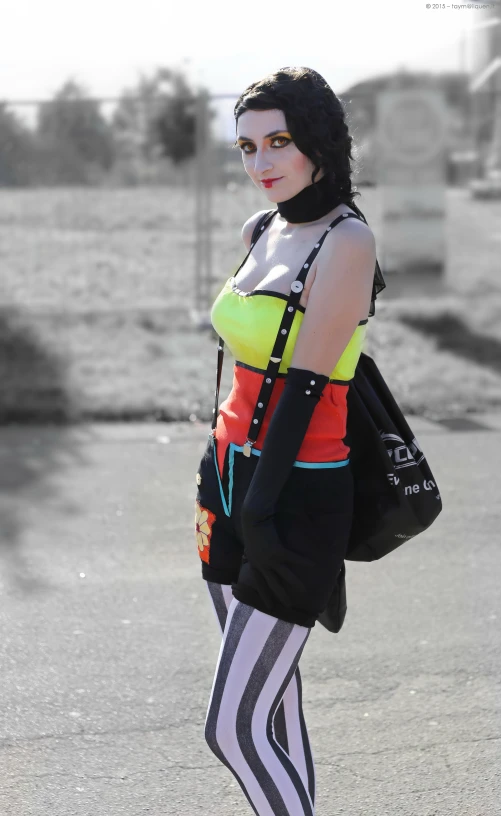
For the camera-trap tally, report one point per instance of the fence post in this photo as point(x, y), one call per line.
point(203, 215)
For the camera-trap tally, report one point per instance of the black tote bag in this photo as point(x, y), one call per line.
point(396, 495)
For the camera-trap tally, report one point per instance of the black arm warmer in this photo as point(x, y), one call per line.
point(286, 431)
point(262, 545)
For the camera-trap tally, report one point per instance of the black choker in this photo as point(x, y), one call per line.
point(311, 203)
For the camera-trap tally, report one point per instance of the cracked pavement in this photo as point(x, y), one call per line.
point(109, 641)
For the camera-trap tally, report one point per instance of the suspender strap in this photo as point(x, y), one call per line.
point(256, 234)
point(220, 355)
point(270, 376)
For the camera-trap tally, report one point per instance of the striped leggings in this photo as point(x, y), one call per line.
point(255, 724)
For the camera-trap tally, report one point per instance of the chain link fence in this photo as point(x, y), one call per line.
point(112, 253)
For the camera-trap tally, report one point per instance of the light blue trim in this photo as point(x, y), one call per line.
point(225, 506)
point(231, 459)
point(297, 463)
point(320, 465)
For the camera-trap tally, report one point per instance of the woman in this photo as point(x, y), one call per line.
point(272, 528)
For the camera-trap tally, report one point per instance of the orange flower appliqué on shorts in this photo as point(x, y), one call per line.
point(204, 520)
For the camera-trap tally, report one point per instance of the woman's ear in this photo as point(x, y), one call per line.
point(316, 171)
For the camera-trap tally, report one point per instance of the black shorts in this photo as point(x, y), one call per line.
point(313, 516)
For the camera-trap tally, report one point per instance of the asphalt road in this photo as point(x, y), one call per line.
point(109, 642)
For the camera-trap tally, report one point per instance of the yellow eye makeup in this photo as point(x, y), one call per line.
point(247, 145)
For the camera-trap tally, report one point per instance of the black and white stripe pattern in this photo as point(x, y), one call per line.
point(222, 597)
point(289, 725)
point(257, 668)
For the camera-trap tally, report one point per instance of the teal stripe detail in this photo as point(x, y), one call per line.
point(230, 481)
point(231, 458)
point(296, 463)
point(225, 506)
point(320, 465)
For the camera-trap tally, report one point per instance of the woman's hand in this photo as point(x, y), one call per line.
point(268, 556)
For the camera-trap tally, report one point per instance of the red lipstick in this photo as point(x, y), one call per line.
point(269, 182)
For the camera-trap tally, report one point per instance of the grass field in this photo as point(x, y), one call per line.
point(97, 287)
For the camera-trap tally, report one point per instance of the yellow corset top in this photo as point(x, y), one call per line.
point(249, 322)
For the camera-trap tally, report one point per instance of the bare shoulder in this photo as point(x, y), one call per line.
point(356, 230)
point(350, 244)
point(248, 227)
point(344, 274)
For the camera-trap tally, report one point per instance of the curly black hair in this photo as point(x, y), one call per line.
point(315, 119)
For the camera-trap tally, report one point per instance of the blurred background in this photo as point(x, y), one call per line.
point(121, 207)
point(122, 198)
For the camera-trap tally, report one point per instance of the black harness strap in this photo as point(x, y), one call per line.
point(281, 339)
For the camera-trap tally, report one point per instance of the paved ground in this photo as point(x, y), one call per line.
point(109, 641)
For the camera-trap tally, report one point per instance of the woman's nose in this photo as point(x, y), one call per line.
point(261, 163)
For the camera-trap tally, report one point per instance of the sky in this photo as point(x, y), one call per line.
point(107, 44)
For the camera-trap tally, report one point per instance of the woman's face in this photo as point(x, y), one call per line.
point(270, 157)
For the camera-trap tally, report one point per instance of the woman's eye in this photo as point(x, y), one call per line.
point(285, 141)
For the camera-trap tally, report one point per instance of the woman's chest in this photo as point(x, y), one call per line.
point(275, 273)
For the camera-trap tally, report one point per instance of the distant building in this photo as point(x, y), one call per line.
point(360, 102)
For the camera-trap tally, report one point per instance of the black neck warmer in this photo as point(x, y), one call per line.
point(311, 203)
